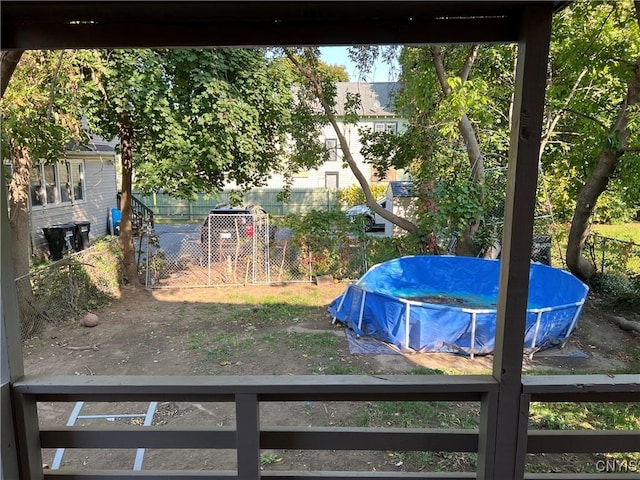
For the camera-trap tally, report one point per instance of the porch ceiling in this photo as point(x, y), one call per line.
point(31, 24)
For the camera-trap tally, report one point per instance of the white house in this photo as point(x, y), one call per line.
point(376, 113)
point(81, 187)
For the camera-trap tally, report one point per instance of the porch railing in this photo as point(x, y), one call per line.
point(249, 436)
point(141, 215)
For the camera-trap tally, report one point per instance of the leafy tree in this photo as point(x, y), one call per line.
point(457, 126)
point(192, 121)
point(128, 87)
point(39, 118)
point(594, 95)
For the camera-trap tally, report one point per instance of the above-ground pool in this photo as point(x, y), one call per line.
point(448, 304)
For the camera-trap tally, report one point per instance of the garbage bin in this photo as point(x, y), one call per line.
point(60, 238)
point(82, 235)
point(115, 217)
point(541, 249)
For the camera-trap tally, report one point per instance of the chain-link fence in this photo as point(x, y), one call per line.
point(67, 288)
point(226, 249)
point(610, 255)
point(496, 189)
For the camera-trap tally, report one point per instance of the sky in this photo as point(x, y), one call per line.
point(339, 56)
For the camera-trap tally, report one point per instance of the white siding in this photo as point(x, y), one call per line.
point(316, 178)
point(101, 195)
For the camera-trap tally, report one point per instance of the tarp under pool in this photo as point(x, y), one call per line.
point(448, 304)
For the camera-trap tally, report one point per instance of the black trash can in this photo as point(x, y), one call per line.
point(541, 249)
point(60, 237)
point(82, 235)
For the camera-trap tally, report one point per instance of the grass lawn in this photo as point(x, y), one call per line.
point(629, 232)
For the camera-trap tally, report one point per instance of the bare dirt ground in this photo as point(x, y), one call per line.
point(223, 332)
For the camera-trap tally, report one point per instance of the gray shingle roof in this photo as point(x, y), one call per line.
point(402, 189)
point(376, 98)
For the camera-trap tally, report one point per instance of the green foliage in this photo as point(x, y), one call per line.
point(41, 107)
point(80, 283)
point(332, 241)
point(593, 47)
point(381, 249)
point(626, 232)
point(203, 118)
point(432, 148)
point(451, 205)
point(587, 416)
point(353, 195)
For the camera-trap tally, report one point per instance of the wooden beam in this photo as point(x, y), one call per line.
point(272, 475)
point(248, 436)
point(583, 441)
point(578, 476)
point(91, 24)
point(138, 437)
point(528, 106)
point(269, 388)
point(329, 438)
point(27, 437)
point(128, 474)
point(11, 363)
point(582, 388)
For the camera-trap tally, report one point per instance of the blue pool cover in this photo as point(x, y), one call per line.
point(436, 303)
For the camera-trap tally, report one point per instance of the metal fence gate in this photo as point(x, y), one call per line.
point(226, 249)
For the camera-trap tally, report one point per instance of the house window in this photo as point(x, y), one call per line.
point(37, 189)
point(65, 183)
point(57, 184)
point(50, 184)
point(331, 145)
point(76, 167)
point(331, 180)
point(385, 127)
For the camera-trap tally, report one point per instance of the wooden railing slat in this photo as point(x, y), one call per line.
point(273, 475)
point(137, 437)
point(583, 441)
point(146, 474)
point(289, 438)
point(444, 440)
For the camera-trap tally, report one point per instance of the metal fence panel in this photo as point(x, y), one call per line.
point(610, 255)
point(166, 207)
point(226, 249)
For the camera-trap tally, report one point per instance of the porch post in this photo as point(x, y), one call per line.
point(10, 345)
point(510, 432)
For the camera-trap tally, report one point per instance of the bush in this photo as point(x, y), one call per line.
point(67, 289)
point(354, 195)
point(331, 239)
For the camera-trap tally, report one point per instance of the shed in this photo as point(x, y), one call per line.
point(401, 200)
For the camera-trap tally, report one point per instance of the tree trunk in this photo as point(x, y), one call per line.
point(19, 221)
point(126, 230)
point(474, 153)
point(598, 180)
point(8, 63)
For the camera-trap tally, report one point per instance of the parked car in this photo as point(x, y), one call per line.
point(372, 221)
point(229, 231)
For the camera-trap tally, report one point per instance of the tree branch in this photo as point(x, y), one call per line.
point(52, 90)
point(464, 125)
point(8, 62)
point(471, 57)
point(315, 84)
point(554, 122)
point(436, 54)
